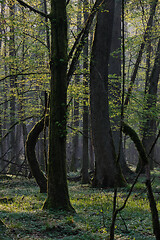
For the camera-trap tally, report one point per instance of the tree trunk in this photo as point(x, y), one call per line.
point(115, 83)
point(85, 158)
point(106, 169)
point(1, 146)
point(75, 138)
point(149, 128)
point(58, 197)
point(145, 163)
point(12, 85)
point(75, 141)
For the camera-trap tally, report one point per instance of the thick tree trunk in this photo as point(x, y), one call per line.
point(58, 197)
point(106, 170)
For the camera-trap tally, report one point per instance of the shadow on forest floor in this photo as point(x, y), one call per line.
point(21, 212)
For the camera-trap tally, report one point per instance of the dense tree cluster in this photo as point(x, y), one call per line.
point(76, 79)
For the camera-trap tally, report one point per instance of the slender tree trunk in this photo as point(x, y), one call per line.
point(106, 169)
point(149, 128)
point(18, 146)
point(1, 146)
point(1, 119)
point(115, 83)
point(75, 141)
point(12, 84)
point(5, 89)
point(85, 158)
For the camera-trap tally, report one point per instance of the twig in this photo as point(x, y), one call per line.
point(23, 74)
point(78, 45)
point(13, 125)
point(32, 9)
point(139, 57)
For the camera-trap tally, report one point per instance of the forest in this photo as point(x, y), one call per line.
point(79, 119)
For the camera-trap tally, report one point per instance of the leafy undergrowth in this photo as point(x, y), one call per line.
point(21, 212)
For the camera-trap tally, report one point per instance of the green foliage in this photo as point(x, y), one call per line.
point(29, 65)
point(25, 218)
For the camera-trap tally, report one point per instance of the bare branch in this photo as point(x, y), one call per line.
point(67, 2)
point(139, 57)
point(80, 41)
point(23, 74)
point(13, 125)
point(35, 38)
point(32, 9)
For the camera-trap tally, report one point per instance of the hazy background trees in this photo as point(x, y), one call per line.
point(25, 74)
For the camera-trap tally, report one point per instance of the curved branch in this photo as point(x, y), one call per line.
point(134, 137)
point(23, 74)
point(35, 38)
point(31, 155)
point(13, 125)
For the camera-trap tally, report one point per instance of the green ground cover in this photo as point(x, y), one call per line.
point(22, 214)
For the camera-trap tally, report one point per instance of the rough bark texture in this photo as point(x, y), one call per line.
point(58, 197)
point(31, 155)
point(106, 169)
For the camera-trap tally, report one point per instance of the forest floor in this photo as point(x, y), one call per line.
point(23, 218)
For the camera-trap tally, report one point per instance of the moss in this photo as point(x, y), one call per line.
point(31, 155)
point(51, 204)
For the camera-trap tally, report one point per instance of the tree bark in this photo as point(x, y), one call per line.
point(115, 84)
point(31, 155)
point(58, 197)
point(75, 140)
point(105, 160)
point(12, 54)
point(85, 156)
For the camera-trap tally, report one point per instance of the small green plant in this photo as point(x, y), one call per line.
point(25, 218)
